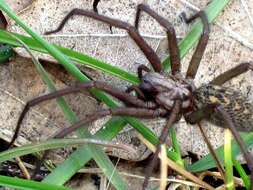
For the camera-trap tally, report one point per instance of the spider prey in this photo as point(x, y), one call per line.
point(165, 95)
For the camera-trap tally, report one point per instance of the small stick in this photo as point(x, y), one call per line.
point(23, 168)
point(164, 167)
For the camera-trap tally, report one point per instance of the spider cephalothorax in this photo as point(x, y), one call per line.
point(163, 95)
point(166, 89)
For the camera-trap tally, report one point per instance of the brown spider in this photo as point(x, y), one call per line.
point(160, 94)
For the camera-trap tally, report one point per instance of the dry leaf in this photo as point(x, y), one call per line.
point(19, 5)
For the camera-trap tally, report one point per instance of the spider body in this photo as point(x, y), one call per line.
point(164, 95)
point(164, 90)
point(239, 107)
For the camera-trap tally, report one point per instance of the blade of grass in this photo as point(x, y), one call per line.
point(178, 168)
point(228, 160)
point(73, 55)
point(54, 144)
point(241, 172)
point(27, 184)
point(176, 147)
point(74, 164)
point(207, 162)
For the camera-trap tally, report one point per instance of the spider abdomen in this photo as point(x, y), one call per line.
point(233, 102)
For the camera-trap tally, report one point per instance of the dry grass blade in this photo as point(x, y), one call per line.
point(164, 167)
point(23, 168)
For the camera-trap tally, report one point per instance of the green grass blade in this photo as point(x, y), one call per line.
point(207, 162)
point(27, 184)
point(242, 173)
point(228, 161)
point(73, 55)
point(52, 144)
point(176, 146)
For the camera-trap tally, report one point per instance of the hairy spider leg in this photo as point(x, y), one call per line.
point(121, 111)
point(171, 35)
point(162, 139)
point(132, 31)
point(79, 87)
point(245, 152)
point(200, 49)
point(232, 73)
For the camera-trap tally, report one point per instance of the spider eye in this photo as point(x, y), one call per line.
point(146, 85)
point(145, 81)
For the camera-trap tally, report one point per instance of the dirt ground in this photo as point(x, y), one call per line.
point(231, 42)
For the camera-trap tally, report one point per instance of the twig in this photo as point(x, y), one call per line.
point(23, 168)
